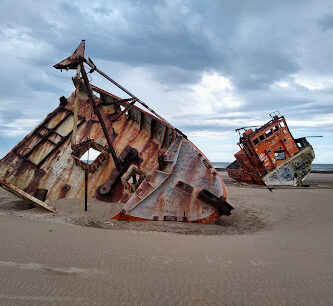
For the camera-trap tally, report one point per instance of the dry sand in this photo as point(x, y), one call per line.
point(275, 249)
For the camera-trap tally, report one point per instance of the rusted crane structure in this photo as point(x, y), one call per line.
point(270, 155)
point(143, 160)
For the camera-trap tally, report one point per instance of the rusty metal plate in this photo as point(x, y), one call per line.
point(271, 156)
point(161, 174)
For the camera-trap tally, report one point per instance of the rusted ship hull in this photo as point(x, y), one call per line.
point(184, 191)
point(271, 156)
point(143, 160)
point(291, 173)
point(246, 176)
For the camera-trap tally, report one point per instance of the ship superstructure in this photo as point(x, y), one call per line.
point(269, 155)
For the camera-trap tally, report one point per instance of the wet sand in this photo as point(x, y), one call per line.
point(275, 249)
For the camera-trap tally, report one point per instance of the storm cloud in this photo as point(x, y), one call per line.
point(207, 66)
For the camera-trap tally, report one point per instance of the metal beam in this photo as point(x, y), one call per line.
point(76, 103)
point(100, 118)
point(94, 68)
point(124, 111)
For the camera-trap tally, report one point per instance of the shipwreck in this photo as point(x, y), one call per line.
point(143, 161)
point(269, 155)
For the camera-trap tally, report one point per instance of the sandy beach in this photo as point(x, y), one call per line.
point(275, 249)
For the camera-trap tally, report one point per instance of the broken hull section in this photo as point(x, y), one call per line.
point(245, 176)
point(271, 156)
point(185, 190)
point(163, 175)
point(293, 171)
point(142, 159)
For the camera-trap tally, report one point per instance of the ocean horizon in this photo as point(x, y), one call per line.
point(316, 167)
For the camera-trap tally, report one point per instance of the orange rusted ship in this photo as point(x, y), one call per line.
point(143, 161)
point(269, 155)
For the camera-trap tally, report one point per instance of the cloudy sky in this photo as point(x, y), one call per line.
point(208, 67)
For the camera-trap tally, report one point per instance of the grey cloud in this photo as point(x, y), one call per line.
point(260, 68)
point(253, 43)
point(326, 22)
point(9, 115)
point(203, 38)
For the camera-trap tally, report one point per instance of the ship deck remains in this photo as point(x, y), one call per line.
point(271, 156)
point(142, 160)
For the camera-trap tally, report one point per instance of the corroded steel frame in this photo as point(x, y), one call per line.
point(256, 162)
point(177, 182)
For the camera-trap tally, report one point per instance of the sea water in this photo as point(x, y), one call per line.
point(316, 167)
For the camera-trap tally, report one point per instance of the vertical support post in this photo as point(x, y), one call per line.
point(86, 189)
point(76, 103)
point(100, 118)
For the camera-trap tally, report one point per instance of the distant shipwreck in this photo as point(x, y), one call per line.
point(143, 160)
point(271, 156)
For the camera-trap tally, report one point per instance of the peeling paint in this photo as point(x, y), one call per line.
point(271, 156)
point(160, 175)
